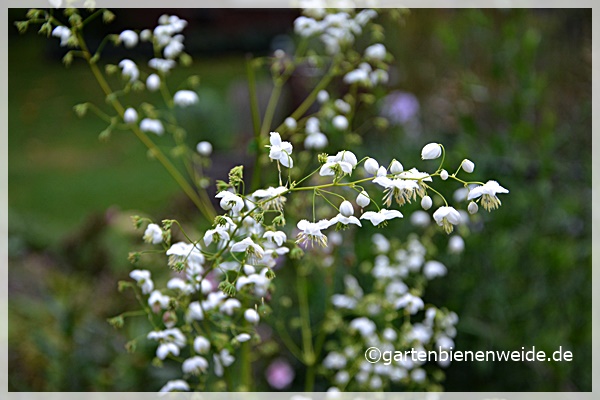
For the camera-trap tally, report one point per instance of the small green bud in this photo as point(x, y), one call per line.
point(111, 69)
point(81, 109)
point(68, 59)
point(46, 29)
point(116, 322)
point(296, 253)
point(134, 257)
point(131, 346)
point(236, 175)
point(122, 285)
point(185, 59)
point(227, 288)
point(270, 274)
point(193, 81)
point(221, 185)
point(137, 221)
point(157, 362)
point(22, 26)
point(108, 17)
point(33, 13)
point(279, 220)
point(178, 266)
point(322, 158)
point(105, 134)
point(137, 86)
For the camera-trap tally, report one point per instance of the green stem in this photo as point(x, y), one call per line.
point(207, 211)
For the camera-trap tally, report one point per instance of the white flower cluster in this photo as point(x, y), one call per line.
point(167, 39)
point(366, 322)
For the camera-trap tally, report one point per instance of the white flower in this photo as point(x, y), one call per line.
point(363, 17)
point(182, 252)
point(342, 163)
point(409, 302)
point(152, 125)
point(272, 197)
point(315, 141)
point(322, 96)
point(164, 349)
point(226, 358)
point(363, 199)
point(341, 219)
point(230, 201)
point(311, 232)
point(217, 235)
point(158, 301)
point(456, 244)
point(305, 26)
point(153, 234)
point(357, 76)
point(129, 69)
point(243, 337)
point(364, 326)
point(340, 122)
point(396, 167)
point(346, 208)
point(145, 35)
point(290, 123)
point(375, 52)
point(142, 277)
point(420, 218)
point(248, 246)
point(342, 106)
point(162, 65)
point(418, 176)
point(379, 76)
point(204, 148)
point(488, 192)
point(468, 165)
point(431, 151)
point(185, 98)
point(400, 189)
point(201, 345)
point(371, 166)
point(195, 312)
point(334, 360)
point(444, 174)
point(63, 33)
point(446, 217)
point(426, 202)
point(472, 207)
point(130, 116)
point(176, 385)
point(194, 365)
point(433, 269)
point(229, 306)
point(55, 3)
point(153, 82)
point(129, 38)
point(251, 316)
point(382, 215)
point(281, 151)
point(275, 237)
point(173, 49)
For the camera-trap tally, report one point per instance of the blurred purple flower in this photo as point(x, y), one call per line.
point(400, 107)
point(280, 374)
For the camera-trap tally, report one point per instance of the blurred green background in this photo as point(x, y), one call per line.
point(509, 89)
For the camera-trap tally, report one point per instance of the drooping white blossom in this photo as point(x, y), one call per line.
point(185, 98)
point(488, 192)
point(431, 151)
point(447, 217)
point(382, 215)
point(280, 150)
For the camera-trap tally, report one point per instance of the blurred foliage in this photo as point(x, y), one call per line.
point(509, 89)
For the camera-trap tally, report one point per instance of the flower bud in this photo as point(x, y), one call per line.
point(456, 244)
point(130, 116)
point(381, 171)
point(251, 316)
point(431, 151)
point(322, 96)
point(340, 122)
point(346, 209)
point(371, 166)
point(396, 167)
point(473, 207)
point(153, 83)
point(290, 123)
point(444, 174)
point(426, 202)
point(468, 166)
point(204, 148)
point(363, 199)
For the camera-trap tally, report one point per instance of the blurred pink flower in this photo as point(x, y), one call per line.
point(280, 374)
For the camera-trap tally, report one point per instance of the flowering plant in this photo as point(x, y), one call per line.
point(222, 304)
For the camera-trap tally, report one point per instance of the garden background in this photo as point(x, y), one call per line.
point(509, 88)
